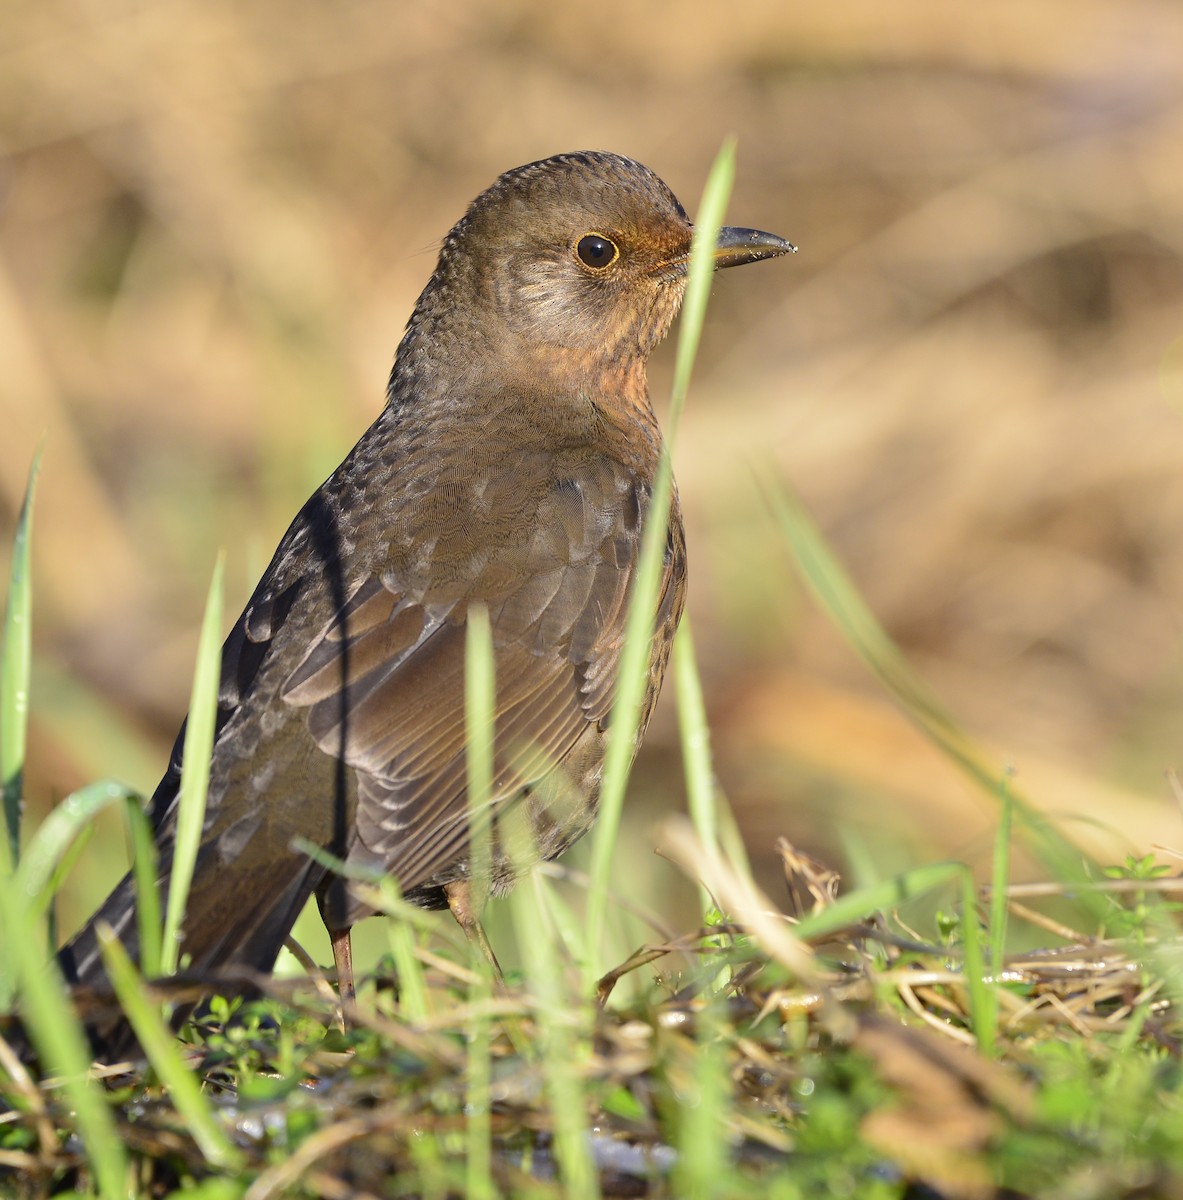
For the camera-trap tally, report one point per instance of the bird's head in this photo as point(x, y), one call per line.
point(586, 253)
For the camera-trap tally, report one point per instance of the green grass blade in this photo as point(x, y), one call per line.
point(855, 907)
point(165, 1056)
point(144, 867)
point(15, 667)
point(695, 737)
point(703, 1119)
point(983, 998)
point(838, 596)
point(58, 876)
point(414, 996)
point(561, 1027)
point(430, 1166)
point(479, 1094)
point(999, 881)
point(711, 211)
point(634, 663)
point(480, 699)
point(568, 924)
point(710, 813)
point(479, 707)
point(199, 741)
point(59, 1040)
point(714, 823)
point(52, 840)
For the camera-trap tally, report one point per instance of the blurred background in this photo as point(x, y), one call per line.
point(215, 218)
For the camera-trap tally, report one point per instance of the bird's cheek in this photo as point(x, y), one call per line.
point(664, 305)
point(547, 302)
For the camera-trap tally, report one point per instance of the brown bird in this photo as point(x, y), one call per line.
point(512, 467)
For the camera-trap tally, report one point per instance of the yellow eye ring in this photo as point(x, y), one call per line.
point(597, 250)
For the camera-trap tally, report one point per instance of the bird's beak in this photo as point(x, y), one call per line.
point(738, 246)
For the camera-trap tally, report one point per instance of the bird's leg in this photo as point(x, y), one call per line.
point(459, 896)
point(343, 961)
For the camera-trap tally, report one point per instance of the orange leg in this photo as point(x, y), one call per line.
point(460, 902)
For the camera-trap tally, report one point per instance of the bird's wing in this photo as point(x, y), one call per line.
point(245, 653)
point(384, 683)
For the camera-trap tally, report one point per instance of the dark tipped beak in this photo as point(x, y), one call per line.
point(739, 246)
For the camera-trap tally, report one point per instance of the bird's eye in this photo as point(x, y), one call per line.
point(597, 251)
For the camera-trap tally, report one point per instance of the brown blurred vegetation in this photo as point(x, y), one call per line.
point(214, 219)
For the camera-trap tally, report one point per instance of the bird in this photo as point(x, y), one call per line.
point(511, 467)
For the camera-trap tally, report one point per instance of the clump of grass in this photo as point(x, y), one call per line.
point(50, 1021)
point(28, 884)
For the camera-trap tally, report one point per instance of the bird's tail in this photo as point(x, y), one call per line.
point(229, 922)
point(80, 960)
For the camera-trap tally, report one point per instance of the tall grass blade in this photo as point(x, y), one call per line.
point(479, 1097)
point(696, 747)
point(561, 1027)
point(51, 841)
point(634, 663)
point(703, 1149)
point(144, 868)
point(567, 922)
point(1000, 879)
point(479, 709)
point(428, 1157)
point(165, 1056)
point(711, 815)
point(199, 741)
point(711, 210)
point(838, 596)
point(703, 1143)
point(414, 996)
point(983, 998)
point(731, 837)
point(59, 1040)
point(15, 667)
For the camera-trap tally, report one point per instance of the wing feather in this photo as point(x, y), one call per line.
point(384, 682)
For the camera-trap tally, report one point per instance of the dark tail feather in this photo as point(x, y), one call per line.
point(80, 960)
point(229, 922)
